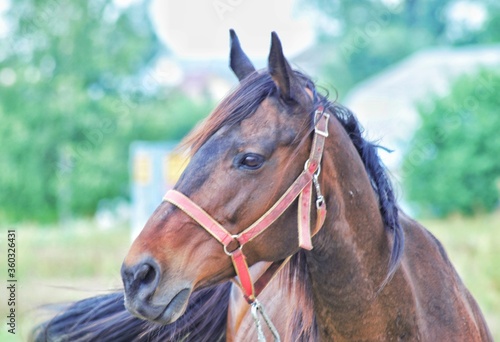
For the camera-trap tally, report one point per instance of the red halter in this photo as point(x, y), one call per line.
point(301, 187)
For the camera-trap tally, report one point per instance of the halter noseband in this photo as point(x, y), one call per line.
point(301, 188)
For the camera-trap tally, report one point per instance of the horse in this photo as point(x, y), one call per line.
point(281, 187)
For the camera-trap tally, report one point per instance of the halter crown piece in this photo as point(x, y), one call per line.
point(301, 188)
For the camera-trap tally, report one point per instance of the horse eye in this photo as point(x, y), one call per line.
point(251, 161)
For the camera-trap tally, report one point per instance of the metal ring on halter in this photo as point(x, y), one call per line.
point(240, 246)
point(306, 167)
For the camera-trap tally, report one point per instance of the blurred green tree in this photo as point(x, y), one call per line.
point(453, 163)
point(75, 90)
point(361, 38)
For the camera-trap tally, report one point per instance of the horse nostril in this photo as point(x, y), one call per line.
point(141, 278)
point(145, 274)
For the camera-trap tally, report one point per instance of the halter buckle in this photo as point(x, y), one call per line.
point(317, 130)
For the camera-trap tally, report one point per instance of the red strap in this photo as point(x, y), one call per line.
point(277, 209)
point(320, 218)
point(199, 215)
point(241, 267)
point(304, 218)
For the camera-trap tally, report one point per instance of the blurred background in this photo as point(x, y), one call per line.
point(95, 94)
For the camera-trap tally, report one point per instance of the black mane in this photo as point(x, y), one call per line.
point(105, 319)
point(379, 179)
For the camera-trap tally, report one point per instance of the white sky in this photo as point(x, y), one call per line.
point(200, 29)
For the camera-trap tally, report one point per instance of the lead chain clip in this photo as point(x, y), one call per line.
point(320, 200)
point(256, 309)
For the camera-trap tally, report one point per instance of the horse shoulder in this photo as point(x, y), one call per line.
point(444, 307)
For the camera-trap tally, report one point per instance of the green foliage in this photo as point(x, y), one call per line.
point(75, 90)
point(453, 162)
point(361, 38)
point(364, 37)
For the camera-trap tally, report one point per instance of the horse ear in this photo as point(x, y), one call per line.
point(238, 60)
point(280, 70)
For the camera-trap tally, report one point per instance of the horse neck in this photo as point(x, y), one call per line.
point(351, 252)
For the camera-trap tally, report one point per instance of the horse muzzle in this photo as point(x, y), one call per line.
point(146, 300)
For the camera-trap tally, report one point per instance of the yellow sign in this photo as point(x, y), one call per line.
point(142, 169)
point(173, 166)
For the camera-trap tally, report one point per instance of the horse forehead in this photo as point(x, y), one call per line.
point(264, 121)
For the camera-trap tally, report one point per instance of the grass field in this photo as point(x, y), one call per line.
point(58, 265)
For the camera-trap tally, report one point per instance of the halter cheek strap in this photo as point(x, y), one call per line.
point(301, 188)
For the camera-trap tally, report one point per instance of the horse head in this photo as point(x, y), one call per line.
point(244, 157)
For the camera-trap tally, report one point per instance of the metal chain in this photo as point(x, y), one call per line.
point(255, 314)
point(257, 308)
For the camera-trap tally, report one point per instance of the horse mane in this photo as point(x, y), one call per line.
point(240, 104)
point(105, 318)
point(294, 278)
point(379, 179)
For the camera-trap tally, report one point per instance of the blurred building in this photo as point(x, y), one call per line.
point(155, 167)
